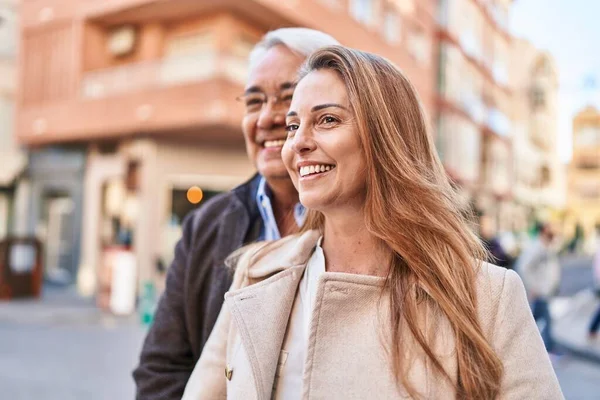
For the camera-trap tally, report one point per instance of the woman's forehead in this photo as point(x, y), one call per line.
point(320, 86)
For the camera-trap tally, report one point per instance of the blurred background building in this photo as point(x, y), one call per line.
point(539, 176)
point(125, 104)
point(584, 176)
point(474, 130)
point(13, 160)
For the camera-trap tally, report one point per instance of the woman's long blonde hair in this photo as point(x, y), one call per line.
point(411, 207)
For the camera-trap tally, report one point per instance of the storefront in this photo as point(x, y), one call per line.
point(55, 177)
point(136, 200)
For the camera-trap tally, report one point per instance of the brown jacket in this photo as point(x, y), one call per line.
point(346, 351)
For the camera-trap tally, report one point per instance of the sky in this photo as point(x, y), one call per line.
point(570, 31)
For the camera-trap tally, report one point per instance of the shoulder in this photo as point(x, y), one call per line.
point(497, 288)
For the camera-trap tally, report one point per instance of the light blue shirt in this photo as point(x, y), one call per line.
point(270, 230)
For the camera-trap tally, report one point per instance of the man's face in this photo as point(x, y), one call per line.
point(267, 99)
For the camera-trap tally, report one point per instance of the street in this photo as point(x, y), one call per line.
point(64, 348)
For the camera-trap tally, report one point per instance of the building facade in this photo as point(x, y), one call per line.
point(584, 174)
point(147, 89)
point(474, 130)
point(539, 176)
point(13, 158)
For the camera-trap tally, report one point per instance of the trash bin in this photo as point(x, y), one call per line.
point(117, 279)
point(20, 268)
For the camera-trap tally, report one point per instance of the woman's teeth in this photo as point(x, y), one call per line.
point(315, 169)
point(274, 143)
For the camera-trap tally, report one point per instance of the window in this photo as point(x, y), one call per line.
point(404, 6)
point(538, 98)
point(180, 205)
point(8, 32)
point(172, 230)
point(459, 146)
point(589, 163)
point(589, 190)
point(189, 57)
point(362, 10)
point(391, 26)
point(419, 46)
point(333, 4)
point(587, 136)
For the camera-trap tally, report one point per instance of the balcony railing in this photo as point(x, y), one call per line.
point(163, 73)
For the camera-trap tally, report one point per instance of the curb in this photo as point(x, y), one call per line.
point(578, 303)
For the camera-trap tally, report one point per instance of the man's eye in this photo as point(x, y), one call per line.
point(253, 102)
point(291, 127)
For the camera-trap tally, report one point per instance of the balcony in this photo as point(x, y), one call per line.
point(191, 96)
point(163, 73)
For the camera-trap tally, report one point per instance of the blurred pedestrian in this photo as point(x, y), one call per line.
point(492, 243)
point(595, 322)
point(539, 268)
point(264, 208)
point(384, 295)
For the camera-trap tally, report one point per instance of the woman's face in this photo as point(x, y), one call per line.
point(322, 152)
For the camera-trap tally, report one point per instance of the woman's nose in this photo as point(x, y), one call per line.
point(304, 141)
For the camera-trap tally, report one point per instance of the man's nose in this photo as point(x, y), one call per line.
point(271, 115)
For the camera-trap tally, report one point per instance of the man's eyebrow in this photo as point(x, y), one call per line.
point(287, 85)
point(327, 105)
point(258, 89)
point(292, 114)
point(253, 89)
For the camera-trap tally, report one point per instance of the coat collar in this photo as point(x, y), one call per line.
point(288, 252)
point(279, 271)
point(263, 337)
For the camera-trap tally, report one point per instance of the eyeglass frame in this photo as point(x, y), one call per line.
point(277, 98)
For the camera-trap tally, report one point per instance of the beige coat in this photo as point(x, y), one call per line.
point(346, 357)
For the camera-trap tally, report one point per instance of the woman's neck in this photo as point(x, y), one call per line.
point(350, 248)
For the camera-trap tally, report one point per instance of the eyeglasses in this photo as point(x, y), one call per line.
point(254, 101)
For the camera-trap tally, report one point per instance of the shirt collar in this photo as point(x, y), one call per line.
point(263, 201)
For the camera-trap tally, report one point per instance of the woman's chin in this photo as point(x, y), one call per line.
point(311, 201)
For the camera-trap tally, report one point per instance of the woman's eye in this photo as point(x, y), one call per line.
point(328, 119)
point(291, 127)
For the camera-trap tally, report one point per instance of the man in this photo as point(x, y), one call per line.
point(264, 208)
point(540, 270)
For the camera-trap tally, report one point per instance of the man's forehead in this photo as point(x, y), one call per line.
point(288, 85)
point(278, 66)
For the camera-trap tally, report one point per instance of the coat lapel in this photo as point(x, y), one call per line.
point(261, 313)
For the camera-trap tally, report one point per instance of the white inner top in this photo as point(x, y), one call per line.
point(288, 378)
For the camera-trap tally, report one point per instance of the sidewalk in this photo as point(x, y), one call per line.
point(59, 306)
point(572, 318)
point(62, 347)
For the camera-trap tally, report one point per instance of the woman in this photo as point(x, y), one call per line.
point(382, 296)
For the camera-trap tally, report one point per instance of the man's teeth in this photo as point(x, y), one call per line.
point(314, 169)
point(274, 143)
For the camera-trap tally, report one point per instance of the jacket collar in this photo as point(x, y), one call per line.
point(241, 220)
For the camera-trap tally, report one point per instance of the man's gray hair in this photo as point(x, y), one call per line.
point(302, 41)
